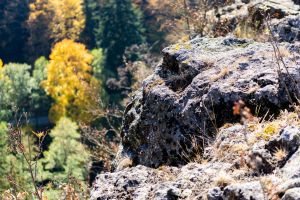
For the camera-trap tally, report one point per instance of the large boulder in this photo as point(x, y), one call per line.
point(192, 92)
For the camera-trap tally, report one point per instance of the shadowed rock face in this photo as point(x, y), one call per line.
point(193, 90)
point(297, 2)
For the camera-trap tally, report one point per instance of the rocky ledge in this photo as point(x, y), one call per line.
point(236, 167)
point(214, 122)
point(192, 92)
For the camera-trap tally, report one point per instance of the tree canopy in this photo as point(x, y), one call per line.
point(69, 81)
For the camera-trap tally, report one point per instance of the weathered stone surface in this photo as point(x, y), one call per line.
point(292, 194)
point(174, 117)
point(292, 168)
point(216, 179)
point(246, 191)
point(193, 90)
point(289, 140)
point(142, 182)
point(215, 194)
point(247, 19)
point(287, 29)
point(289, 184)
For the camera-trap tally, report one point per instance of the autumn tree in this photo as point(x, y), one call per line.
point(68, 21)
point(120, 27)
point(69, 82)
point(51, 21)
point(39, 43)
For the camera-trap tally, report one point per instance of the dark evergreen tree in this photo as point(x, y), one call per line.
point(13, 34)
point(92, 19)
point(120, 27)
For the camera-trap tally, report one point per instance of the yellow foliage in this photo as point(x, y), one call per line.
point(223, 72)
point(38, 134)
point(2, 75)
point(63, 19)
point(269, 130)
point(69, 81)
point(69, 19)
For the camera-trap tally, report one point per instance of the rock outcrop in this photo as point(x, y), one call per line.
point(181, 137)
point(192, 92)
point(176, 118)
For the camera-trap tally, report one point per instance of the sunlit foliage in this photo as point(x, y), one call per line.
point(68, 21)
point(69, 81)
point(16, 85)
point(66, 155)
point(51, 21)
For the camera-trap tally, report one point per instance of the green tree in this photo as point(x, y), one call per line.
point(16, 85)
point(120, 27)
point(40, 101)
point(99, 73)
point(66, 155)
point(92, 10)
point(12, 162)
point(98, 63)
point(4, 163)
point(13, 33)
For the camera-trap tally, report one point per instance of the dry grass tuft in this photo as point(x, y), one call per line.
point(269, 188)
point(280, 154)
point(224, 72)
point(223, 180)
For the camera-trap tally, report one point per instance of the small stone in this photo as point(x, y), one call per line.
point(245, 191)
point(215, 194)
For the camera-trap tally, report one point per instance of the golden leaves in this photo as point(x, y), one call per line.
point(1, 64)
point(64, 18)
point(69, 81)
point(69, 19)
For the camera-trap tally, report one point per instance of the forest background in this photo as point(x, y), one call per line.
point(68, 68)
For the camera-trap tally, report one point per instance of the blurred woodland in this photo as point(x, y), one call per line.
point(68, 68)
